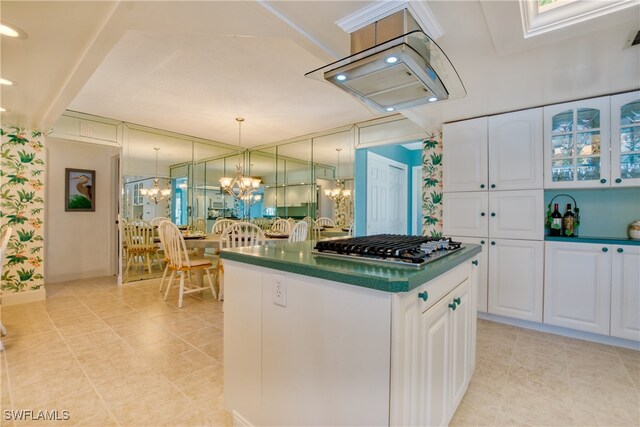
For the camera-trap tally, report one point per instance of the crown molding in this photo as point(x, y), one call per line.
point(380, 9)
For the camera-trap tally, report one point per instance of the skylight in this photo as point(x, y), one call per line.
point(541, 16)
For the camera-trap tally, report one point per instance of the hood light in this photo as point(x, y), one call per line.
point(341, 77)
point(432, 99)
point(6, 82)
point(390, 109)
point(392, 60)
point(6, 30)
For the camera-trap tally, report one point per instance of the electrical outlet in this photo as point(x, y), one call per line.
point(279, 290)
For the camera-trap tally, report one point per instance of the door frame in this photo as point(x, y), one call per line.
point(416, 199)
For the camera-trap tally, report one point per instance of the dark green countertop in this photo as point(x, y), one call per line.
point(297, 258)
point(598, 240)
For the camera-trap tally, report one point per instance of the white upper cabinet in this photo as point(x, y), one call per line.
point(465, 214)
point(576, 144)
point(515, 150)
point(465, 155)
point(625, 139)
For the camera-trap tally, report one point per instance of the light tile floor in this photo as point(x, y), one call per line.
point(121, 356)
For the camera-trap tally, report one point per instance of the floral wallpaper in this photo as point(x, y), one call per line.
point(432, 185)
point(22, 208)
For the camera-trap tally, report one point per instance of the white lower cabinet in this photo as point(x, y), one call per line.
point(578, 286)
point(625, 292)
point(593, 288)
point(516, 278)
point(480, 264)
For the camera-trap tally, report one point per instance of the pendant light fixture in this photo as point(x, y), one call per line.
point(156, 195)
point(240, 187)
point(338, 193)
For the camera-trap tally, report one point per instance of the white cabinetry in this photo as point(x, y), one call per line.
point(625, 292)
point(480, 265)
point(593, 287)
point(576, 144)
point(625, 139)
point(516, 278)
point(502, 152)
point(467, 143)
point(466, 213)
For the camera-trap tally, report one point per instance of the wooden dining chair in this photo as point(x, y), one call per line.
point(325, 222)
point(139, 236)
point(263, 223)
point(4, 242)
point(313, 232)
point(156, 221)
point(281, 226)
point(238, 235)
point(219, 226)
point(180, 263)
point(298, 232)
point(161, 235)
point(200, 225)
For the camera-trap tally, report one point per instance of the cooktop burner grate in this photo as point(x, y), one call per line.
point(393, 248)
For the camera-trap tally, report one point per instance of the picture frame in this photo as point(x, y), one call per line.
point(80, 190)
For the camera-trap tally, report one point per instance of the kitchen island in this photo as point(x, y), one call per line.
point(311, 340)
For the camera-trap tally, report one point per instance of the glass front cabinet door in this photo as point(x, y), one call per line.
point(576, 141)
point(625, 139)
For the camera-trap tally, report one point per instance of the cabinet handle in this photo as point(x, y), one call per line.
point(493, 214)
point(482, 242)
point(452, 306)
point(493, 243)
point(481, 185)
point(457, 301)
point(603, 181)
point(475, 261)
point(493, 186)
point(482, 214)
point(605, 249)
point(423, 295)
point(618, 180)
point(620, 250)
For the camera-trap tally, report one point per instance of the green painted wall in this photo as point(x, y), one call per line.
point(603, 213)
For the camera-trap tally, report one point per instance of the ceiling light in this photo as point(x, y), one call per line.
point(392, 60)
point(2, 110)
point(341, 77)
point(5, 82)
point(6, 30)
point(390, 109)
point(155, 194)
point(432, 99)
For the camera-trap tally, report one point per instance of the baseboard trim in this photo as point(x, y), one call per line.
point(558, 330)
point(14, 298)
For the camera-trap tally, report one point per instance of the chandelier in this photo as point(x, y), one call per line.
point(155, 195)
point(241, 187)
point(338, 193)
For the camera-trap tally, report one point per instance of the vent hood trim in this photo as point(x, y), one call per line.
point(429, 73)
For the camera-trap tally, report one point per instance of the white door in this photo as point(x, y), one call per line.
point(576, 144)
point(464, 146)
point(625, 134)
point(483, 259)
point(515, 278)
point(515, 150)
point(516, 214)
point(433, 365)
point(386, 195)
point(577, 286)
point(465, 214)
point(625, 292)
point(416, 201)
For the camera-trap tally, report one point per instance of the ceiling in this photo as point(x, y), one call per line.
point(192, 67)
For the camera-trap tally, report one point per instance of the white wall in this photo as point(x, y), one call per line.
point(79, 244)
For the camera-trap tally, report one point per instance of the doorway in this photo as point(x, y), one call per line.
point(386, 195)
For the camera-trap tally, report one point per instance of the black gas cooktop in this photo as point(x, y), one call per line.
point(393, 248)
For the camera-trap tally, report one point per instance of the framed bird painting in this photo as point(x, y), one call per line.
point(80, 187)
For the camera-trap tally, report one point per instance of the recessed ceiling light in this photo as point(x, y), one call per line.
point(390, 109)
point(5, 82)
point(432, 99)
point(8, 31)
point(2, 110)
point(392, 60)
point(341, 77)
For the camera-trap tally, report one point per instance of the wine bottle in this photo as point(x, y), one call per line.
point(556, 222)
point(568, 223)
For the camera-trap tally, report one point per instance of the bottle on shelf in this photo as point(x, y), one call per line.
point(556, 222)
point(568, 223)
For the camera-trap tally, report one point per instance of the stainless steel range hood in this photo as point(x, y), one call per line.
point(396, 66)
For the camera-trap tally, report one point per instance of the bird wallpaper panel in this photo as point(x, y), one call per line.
point(432, 185)
point(22, 208)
